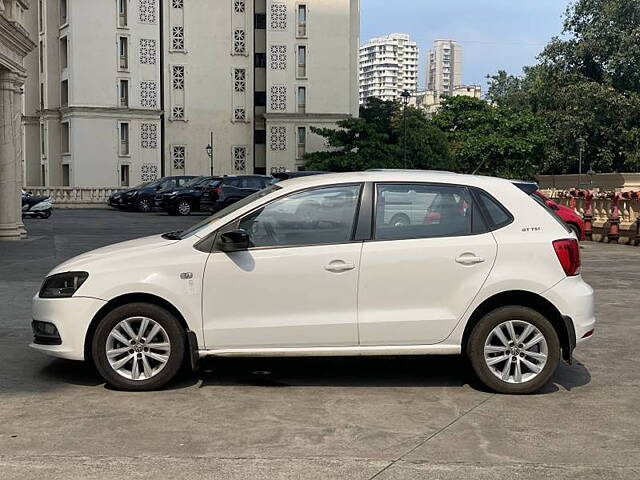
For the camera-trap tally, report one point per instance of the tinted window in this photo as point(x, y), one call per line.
point(184, 180)
point(422, 211)
point(256, 183)
point(169, 183)
point(233, 182)
point(498, 215)
point(321, 216)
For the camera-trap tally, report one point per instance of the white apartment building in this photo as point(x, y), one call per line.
point(388, 67)
point(444, 67)
point(130, 90)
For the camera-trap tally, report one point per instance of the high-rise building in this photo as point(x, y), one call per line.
point(388, 67)
point(444, 67)
point(130, 90)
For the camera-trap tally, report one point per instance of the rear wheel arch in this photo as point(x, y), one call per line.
point(522, 298)
point(123, 300)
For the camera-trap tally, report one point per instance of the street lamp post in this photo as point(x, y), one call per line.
point(581, 144)
point(406, 95)
point(209, 150)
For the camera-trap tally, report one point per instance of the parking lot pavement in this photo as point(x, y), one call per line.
point(388, 418)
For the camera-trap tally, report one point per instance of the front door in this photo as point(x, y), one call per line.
point(297, 285)
point(419, 275)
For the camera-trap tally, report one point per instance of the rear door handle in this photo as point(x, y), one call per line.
point(339, 266)
point(469, 259)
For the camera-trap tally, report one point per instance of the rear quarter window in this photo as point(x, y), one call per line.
point(497, 215)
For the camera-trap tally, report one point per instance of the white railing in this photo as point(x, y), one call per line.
point(76, 197)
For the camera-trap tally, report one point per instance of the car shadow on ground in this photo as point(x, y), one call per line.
point(395, 371)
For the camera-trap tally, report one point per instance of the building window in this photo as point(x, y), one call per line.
point(302, 142)
point(239, 115)
point(40, 16)
point(260, 60)
point(239, 42)
point(177, 37)
point(278, 57)
point(278, 98)
point(260, 21)
point(239, 159)
point(302, 20)
point(260, 99)
point(42, 96)
point(41, 55)
point(124, 138)
point(239, 79)
point(177, 77)
point(239, 6)
point(278, 16)
point(177, 113)
point(149, 172)
point(64, 53)
point(63, 12)
point(64, 93)
point(123, 48)
point(177, 3)
point(148, 94)
point(123, 93)
point(302, 99)
point(124, 175)
point(278, 139)
point(260, 137)
point(122, 13)
point(43, 140)
point(302, 61)
point(178, 156)
point(147, 11)
point(147, 51)
point(149, 135)
point(65, 138)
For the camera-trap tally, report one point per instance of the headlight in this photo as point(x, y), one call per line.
point(132, 194)
point(62, 285)
point(173, 194)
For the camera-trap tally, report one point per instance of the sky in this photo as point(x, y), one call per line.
point(495, 34)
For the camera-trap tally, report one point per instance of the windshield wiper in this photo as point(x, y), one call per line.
point(176, 235)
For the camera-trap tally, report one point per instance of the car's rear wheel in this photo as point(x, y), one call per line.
point(514, 350)
point(138, 346)
point(144, 205)
point(183, 208)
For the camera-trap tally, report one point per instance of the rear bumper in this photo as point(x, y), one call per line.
point(575, 300)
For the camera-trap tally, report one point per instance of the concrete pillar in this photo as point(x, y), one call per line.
point(10, 140)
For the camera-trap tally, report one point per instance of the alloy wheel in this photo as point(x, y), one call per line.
point(184, 207)
point(516, 351)
point(144, 205)
point(138, 348)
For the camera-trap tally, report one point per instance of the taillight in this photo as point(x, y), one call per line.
point(217, 190)
point(568, 252)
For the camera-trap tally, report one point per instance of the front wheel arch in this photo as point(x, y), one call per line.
point(531, 300)
point(123, 300)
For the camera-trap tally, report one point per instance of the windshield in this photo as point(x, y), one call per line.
point(229, 210)
point(142, 185)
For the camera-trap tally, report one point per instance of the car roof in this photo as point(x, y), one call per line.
point(408, 176)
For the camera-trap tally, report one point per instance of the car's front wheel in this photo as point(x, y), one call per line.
point(514, 350)
point(144, 205)
point(138, 346)
point(183, 208)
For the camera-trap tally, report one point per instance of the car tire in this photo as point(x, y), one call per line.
point(144, 205)
point(508, 372)
point(46, 214)
point(183, 208)
point(575, 229)
point(155, 366)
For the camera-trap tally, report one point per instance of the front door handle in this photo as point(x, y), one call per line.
point(469, 259)
point(339, 266)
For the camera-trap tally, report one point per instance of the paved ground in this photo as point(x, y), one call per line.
point(388, 418)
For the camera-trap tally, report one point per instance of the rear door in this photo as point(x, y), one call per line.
point(418, 278)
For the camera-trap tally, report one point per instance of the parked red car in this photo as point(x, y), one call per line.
point(569, 215)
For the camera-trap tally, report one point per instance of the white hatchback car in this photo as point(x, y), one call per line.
point(482, 270)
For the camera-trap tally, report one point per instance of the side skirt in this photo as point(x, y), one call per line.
point(334, 351)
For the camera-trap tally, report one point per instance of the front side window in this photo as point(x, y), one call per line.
point(406, 211)
point(316, 217)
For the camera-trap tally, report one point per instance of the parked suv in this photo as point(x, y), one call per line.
point(142, 197)
point(232, 189)
point(488, 273)
point(187, 199)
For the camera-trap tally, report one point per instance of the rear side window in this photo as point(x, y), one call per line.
point(497, 215)
point(411, 211)
point(540, 201)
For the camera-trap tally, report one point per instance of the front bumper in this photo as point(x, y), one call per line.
point(574, 298)
point(71, 317)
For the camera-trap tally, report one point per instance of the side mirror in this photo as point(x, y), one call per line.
point(233, 241)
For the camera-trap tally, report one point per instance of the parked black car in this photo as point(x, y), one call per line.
point(184, 200)
point(231, 189)
point(142, 196)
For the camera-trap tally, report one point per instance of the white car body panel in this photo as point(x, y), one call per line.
point(231, 301)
